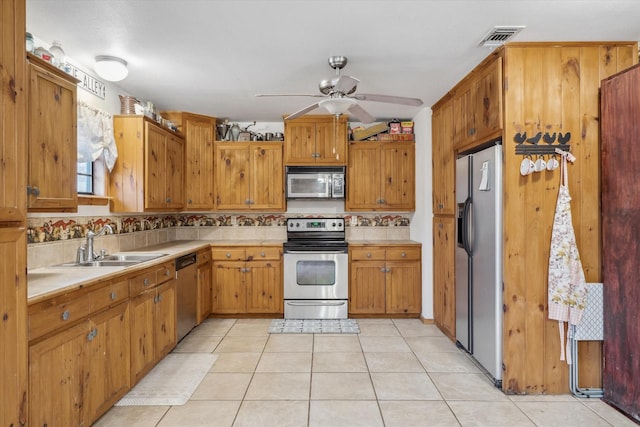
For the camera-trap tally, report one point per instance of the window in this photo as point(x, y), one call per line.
point(85, 178)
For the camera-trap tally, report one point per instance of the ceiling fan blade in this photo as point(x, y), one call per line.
point(302, 112)
point(388, 98)
point(359, 113)
point(345, 84)
point(263, 95)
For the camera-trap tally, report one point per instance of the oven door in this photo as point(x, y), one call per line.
point(320, 275)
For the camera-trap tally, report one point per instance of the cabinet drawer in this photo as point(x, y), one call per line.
point(109, 295)
point(401, 254)
point(142, 281)
point(204, 257)
point(263, 253)
point(228, 254)
point(364, 254)
point(165, 272)
point(51, 315)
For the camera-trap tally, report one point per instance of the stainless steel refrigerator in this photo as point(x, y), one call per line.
point(479, 257)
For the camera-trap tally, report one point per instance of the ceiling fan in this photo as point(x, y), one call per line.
point(338, 92)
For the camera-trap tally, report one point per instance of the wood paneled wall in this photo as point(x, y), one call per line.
point(550, 88)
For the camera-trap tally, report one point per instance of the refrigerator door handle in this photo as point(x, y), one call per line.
point(466, 226)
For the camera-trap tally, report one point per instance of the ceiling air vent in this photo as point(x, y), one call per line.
point(499, 35)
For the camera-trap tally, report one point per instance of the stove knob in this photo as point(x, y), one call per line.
point(334, 224)
point(297, 224)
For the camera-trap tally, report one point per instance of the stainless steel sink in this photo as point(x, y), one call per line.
point(116, 260)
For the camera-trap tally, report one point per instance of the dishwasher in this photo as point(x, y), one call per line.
point(187, 293)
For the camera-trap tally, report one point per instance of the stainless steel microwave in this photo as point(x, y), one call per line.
point(313, 182)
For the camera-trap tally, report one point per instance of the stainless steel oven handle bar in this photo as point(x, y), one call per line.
point(310, 304)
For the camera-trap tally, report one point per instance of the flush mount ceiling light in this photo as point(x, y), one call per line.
point(337, 106)
point(111, 68)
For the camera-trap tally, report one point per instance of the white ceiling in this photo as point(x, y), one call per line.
point(213, 56)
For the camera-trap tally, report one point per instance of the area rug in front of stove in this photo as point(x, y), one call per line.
point(170, 382)
point(314, 326)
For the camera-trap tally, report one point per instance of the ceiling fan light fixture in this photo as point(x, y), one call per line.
point(111, 68)
point(337, 106)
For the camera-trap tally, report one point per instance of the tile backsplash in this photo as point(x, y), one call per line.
point(53, 240)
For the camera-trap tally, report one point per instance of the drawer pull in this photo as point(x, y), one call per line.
point(113, 296)
point(228, 255)
point(91, 335)
point(368, 254)
point(66, 315)
point(403, 254)
point(145, 282)
point(167, 273)
point(262, 254)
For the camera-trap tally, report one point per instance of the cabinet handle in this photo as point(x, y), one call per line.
point(145, 282)
point(368, 254)
point(168, 199)
point(262, 254)
point(91, 335)
point(113, 296)
point(35, 191)
point(440, 206)
point(384, 270)
point(167, 273)
point(157, 299)
point(189, 201)
point(403, 254)
point(228, 255)
point(66, 315)
point(440, 225)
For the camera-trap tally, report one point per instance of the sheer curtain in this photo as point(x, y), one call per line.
point(95, 135)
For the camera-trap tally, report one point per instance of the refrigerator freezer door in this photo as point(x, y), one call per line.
point(462, 260)
point(487, 260)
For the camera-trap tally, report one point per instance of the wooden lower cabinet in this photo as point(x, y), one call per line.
point(153, 328)
point(385, 280)
point(205, 286)
point(247, 280)
point(444, 291)
point(77, 374)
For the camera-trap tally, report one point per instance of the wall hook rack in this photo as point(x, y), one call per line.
point(530, 147)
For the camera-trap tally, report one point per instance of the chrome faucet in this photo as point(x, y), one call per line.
point(85, 251)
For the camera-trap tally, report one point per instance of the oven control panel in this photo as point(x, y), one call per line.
point(315, 224)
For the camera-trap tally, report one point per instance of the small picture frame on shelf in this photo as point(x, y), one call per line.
point(244, 136)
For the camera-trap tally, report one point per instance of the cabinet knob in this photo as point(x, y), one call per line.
point(228, 255)
point(168, 199)
point(403, 254)
point(167, 273)
point(189, 201)
point(440, 206)
point(113, 296)
point(145, 282)
point(247, 202)
point(368, 254)
point(66, 315)
point(91, 335)
point(35, 191)
point(262, 254)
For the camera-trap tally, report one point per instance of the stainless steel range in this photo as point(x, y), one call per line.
point(316, 269)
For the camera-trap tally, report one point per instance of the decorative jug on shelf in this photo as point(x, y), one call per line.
point(235, 132)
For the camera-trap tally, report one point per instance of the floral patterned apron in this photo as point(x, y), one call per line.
point(567, 288)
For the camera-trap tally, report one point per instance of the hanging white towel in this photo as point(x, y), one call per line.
point(567, 288)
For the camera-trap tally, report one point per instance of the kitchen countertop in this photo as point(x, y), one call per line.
point(47, 282)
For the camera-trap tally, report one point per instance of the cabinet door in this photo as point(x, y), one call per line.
point(363, 176)
point(299, 142)
point(264, 287)
point(204, 292)
point(331, 141)
point(443, 165)
point(444, 291)
point(267, 181)
point(56, 378)
point(174, 172)
point(52, 142)
point(106, 370)
point(232, 181)
point(199, 135)
point(398, 176)
point(142, 330)
point(229, 291)
point(155, 189)
point(463, 127)
point(488, 101)
point(367, 287)
point(403, 287)
point(165, 323)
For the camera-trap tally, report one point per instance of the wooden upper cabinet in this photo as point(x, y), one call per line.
point(249, 176)
point(316, 139)
point(149, 173)
point(443, 165)
point(52, 139)
point(199, 134)
point(477, 107)
point(381, 176)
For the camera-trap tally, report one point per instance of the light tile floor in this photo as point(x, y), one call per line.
point(397, 372)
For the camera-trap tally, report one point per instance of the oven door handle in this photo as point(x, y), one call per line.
point(312, 303)
point(315, 252)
